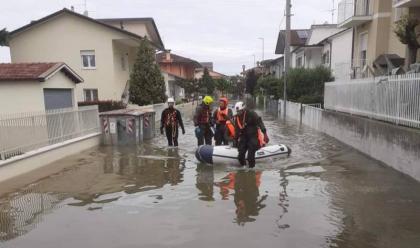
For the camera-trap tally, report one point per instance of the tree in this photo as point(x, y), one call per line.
point(405, 29)
point(270, 85)
point(4, 37)
point(251, 82)
point(207, 83)
point(147, 85)
point(223, 86)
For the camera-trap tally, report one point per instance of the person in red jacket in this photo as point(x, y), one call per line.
point(221, 115)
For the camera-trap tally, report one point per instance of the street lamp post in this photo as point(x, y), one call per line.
point(262, 40)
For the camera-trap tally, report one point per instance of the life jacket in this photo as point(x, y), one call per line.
point(261, 141)
point(204, 117)
point(238, 121)
point(170, 118)
point(221, 115)
point(231, 129)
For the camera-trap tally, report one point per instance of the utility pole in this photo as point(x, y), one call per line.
point(286, 54)
point(262, 57)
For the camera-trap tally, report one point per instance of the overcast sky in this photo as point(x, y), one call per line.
point(223, 31)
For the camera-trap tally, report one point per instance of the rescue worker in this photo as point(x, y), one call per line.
point(221, 115)
point(203, 122)
point(171, 120)
point(250, 134)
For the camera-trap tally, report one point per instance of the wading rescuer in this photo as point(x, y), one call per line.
point(203, 122)
point(170, 121)
point(222, 115)
point(250, 134)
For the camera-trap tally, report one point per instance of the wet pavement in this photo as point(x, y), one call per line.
point(324, 195)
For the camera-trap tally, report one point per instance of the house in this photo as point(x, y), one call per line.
point(177, 65)
point(337, 52)
point(374, 40)
point(307, 50)
point(273, 67)
point(102, 52)
point(36, 87)
point(298, 38)
point(173, 89)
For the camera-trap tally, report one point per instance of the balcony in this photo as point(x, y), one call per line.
point(405, 3)
point(353, 13)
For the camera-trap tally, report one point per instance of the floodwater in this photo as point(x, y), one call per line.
point(324, 195)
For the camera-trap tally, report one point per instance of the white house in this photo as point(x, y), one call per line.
point(100, 51)
point(36, 87)
point(172, 88)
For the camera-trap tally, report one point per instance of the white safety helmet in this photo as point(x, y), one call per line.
point(239, 106)
point(171, 100)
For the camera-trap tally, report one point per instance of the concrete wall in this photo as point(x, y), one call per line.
point(341, 48)
point(396, 146)
point(37, 159)
point(61, 39)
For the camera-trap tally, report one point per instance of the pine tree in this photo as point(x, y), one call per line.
point(4, 37)
point(147, 85)
point(207, 82)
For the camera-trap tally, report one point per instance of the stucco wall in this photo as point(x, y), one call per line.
point(28, 96)
point(61, 39)
point(341, 48)
point(19, 97)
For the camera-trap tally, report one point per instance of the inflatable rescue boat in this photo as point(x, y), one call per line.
point(229, 155)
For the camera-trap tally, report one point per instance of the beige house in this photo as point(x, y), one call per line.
point(36, 87)
point(102, 51)
point(374, 41)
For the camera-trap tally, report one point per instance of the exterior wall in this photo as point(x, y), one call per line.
point(20, 97)
point(381, 37)
point(313, 57)
point(122, 76)
point(61, 39)
point(138, 28)
point(181, 70)
point(341, 51)
point(28, 96)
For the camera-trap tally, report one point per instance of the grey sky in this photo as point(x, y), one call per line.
point(223, 31)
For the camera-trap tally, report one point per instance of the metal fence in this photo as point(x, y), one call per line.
point(24, 132)
point(394, 99)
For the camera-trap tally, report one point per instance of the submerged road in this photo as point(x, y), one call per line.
point(325, 195)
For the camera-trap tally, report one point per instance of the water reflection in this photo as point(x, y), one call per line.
point(205, 182)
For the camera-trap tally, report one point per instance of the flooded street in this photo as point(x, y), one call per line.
point(324, 195)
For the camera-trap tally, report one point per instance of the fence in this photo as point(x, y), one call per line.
point(394, 99)
point(20, 133)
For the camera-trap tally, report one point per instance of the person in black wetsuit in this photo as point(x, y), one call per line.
point(171, 120)
point(247, 123)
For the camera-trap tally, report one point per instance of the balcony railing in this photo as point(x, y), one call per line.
point(348, 9)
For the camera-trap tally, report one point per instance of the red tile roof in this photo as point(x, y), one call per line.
point(34, 71)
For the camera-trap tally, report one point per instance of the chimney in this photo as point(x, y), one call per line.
point(168, 55)
point(72, 8)
point(85, 13)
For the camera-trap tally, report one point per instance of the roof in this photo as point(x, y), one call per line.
point(35, 71)
point(161, 58)
point(298, 37)
point(67, 11)
point(136, 19)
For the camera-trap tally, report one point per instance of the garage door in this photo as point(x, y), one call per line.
point(58, 98)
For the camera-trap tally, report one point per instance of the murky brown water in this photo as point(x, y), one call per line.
point(324, 195)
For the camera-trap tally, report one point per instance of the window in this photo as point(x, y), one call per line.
point(123, 64)
point(88, 59)
point(299, 62)
point(326, 58)
point(90, 95)
point(363, 49)
point(398, 12)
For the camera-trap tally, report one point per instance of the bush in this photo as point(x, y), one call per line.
point(105, 106)
point(306, 85)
